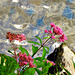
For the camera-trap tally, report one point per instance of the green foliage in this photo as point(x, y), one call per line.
point(46, 68)
point(34, 42)
point(46, 37)
point(39, 39)
point(39, 64)
point(30, 71)
point(47, 49)
point(34, 49)
point(23, 50)
point(38, 71)
point(9, 67)
point(57, 70)
point(10, 51)
point(74, 64)
point(65, 70)
point(38, 58)
point(44, 54)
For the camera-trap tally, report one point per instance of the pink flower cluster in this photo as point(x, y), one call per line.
point(20, 37)
point(51, 62)
point(48, 31)
point(24, 60)
point(62, 38)
point(12, 36)
point(56, 31)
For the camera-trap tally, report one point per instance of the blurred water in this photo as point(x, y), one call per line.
point(31, 17)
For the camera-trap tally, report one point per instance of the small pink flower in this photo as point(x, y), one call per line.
point(50, 32)
point(60, 32)
point(62, 38)
point(31, 64)
point(26, 58)
point(52, 62)
point(48, 61)
point(20, 37)
point(53, 37)
point(24, 63)
point(55, 30)
point(52, 25)
point(45, 31)
point(30, 58)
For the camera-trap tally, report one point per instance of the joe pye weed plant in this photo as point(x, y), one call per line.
point(25, 64)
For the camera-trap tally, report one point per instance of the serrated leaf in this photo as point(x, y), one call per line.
point(39, 39)
point(46, 37)
point(34, 42)
point(34, 49)
point(43, 54)
point(23, 50)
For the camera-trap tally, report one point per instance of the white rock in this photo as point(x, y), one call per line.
point(15, 1)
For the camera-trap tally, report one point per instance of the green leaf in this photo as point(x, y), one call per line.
point(9, 67)
point(47, 49)
point(39, 39)
point(65, 70)
point(74, 64)
point(12, 73)
point(39, 64)
point(57, 70)
point(34, 49)
point(43, 54)
point(38, 58)
point(2, 59)
point(45, 69)
point(30, 71)
point(38, 71)
point(23, 50)
point(10, 52)
point(46, 37)
point(54, 39)
point(34, 42)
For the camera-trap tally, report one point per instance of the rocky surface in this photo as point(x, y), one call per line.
point(65, 57)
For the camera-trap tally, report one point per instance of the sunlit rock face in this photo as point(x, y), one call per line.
point(31, 17)
point(65, 57)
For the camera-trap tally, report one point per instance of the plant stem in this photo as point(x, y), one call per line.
point(41, 46)
point(18, 72)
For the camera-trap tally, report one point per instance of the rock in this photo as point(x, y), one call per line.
point(65, 57)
